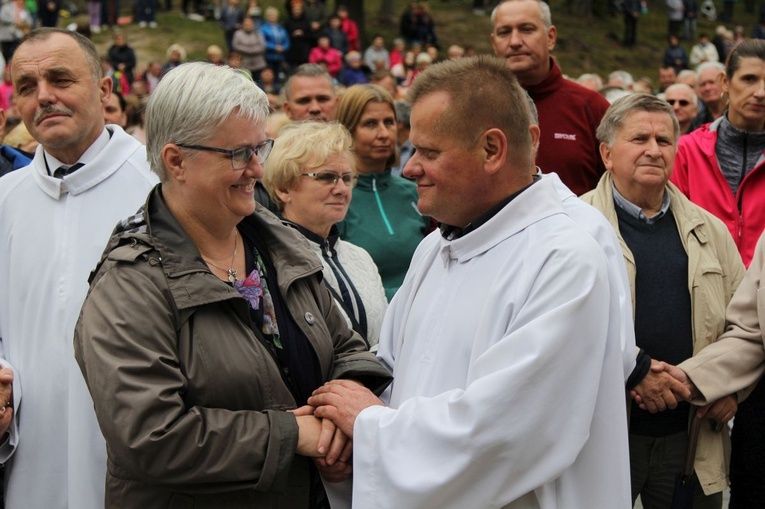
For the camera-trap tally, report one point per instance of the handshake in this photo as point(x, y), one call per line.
point(325, 426)
point(665, 385)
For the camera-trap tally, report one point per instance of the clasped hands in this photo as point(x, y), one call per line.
point(665, 385)
point(326, 426)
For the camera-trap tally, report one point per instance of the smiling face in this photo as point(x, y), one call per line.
point(208, 184)
point(746, 92)
point(449, 183)
point(641, 157)
point(317, 205)
point(521, 38)
point(374, 138)
point(57, 96)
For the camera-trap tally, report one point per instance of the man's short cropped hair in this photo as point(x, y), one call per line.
point(484, 94)
point(613, 120)
point(87, 46)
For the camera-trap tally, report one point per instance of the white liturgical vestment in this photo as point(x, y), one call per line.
point(508, 391)
point(52, 234)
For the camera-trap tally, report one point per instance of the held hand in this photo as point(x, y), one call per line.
point(6, 400)
point(654, 394)
point(338, 472)
point(679, 375)
point(721, 411)
point(659, 390)
point(309, 430)
point(342, 401)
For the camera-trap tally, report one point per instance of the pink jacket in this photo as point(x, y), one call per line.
point(697, 174)
point(330, 57)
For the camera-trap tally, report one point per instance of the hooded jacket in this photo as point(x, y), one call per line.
point(191, 402)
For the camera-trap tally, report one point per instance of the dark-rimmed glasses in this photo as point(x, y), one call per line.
point(329, 178)
point(683, 102)
point(240, 157)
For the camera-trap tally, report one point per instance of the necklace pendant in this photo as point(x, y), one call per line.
point(231, 276)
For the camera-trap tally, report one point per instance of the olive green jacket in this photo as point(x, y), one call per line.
point(191, 403)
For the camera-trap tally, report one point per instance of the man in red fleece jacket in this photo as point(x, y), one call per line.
point(569, 114)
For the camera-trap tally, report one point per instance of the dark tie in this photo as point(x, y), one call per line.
point(63, 170)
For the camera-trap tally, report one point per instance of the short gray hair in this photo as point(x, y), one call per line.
point(544, 10)
point(626, 78)
point(687, 88)
point(307, 70)
point(192, 101)
point(614, 118)
point(403, 112)
point(703, 67)
point(89, 50)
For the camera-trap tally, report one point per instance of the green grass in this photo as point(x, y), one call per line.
point(584, 45)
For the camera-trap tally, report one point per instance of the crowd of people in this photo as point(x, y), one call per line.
point(311, 273)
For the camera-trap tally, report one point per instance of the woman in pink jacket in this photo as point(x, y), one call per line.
point(721, 166)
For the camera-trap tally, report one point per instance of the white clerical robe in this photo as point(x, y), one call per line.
point(621, 324)
point(507, 392)
point(52, 234)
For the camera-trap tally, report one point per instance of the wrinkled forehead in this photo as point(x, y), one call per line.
point(57, 53)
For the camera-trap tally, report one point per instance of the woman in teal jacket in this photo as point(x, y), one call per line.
point(383, 216)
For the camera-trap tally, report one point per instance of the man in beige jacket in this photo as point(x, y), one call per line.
point(683, 269)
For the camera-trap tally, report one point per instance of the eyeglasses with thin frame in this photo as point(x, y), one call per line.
point(683, 102)
point(329, 178)
point(240, 157)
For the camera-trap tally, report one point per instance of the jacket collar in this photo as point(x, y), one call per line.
point(380, 180)
point(120, 147)
point(190, 280)
point(547, 86)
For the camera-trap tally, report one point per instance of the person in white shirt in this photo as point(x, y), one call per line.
point(508, 391)
point(55, 219)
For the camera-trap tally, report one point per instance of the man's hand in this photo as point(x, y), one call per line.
point(720, 411)
point(338, 472)
point(333, 444)
point(660, 389)
point(341, 401)
point(6, 400)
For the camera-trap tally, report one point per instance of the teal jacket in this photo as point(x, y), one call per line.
point(383, 219)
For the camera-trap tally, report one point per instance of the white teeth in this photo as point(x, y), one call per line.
point(246, 187)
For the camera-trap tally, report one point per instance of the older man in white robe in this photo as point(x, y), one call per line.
point(508, 391)
point(55, 218)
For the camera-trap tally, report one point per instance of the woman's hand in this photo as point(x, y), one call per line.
point(309, 431)
point(721, 410)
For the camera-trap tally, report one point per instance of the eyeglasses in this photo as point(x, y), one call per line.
point(682, 102)
point(240, 157)
point(330, 179)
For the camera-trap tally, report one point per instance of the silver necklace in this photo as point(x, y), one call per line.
point(231, 271)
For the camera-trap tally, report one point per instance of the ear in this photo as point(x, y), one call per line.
point(494, 149)
point(724, 82)
point(605, 154)
point(552, 37)
point(535, 134)
point(105, 89)
point(284, 195)
point(173, 158)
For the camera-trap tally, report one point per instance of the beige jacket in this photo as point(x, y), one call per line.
point(737, 359)
point(715, 270)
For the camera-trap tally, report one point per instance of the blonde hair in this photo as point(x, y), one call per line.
point(303, 146)
point(353, 101)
